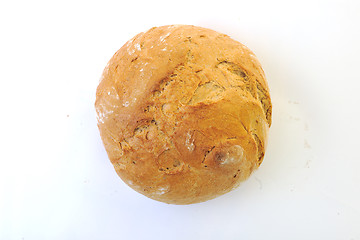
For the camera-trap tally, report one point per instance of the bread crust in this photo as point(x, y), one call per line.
point(184, 113)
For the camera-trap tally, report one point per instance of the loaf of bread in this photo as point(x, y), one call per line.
point(183, 113)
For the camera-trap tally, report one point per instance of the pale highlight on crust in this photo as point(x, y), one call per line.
point(183, 113)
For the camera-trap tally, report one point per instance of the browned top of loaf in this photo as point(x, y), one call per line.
point(176, 100)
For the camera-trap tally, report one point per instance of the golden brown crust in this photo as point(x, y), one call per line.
point(183, 112)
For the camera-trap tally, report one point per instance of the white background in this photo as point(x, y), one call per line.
point(57, 183)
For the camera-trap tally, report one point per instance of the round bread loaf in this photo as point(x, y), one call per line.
point(184, 113)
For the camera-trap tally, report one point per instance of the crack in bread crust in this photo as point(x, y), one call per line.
point(260, 149)
point(249, 84)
